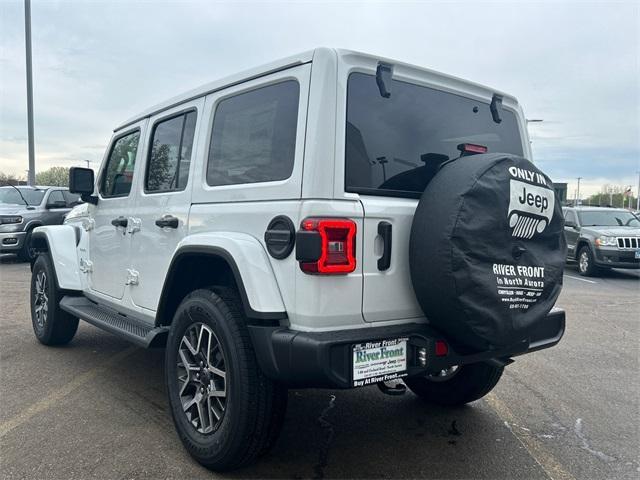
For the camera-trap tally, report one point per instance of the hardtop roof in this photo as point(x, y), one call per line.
point(283, 64)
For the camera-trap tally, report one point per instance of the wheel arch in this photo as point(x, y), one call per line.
point(201, 266)
point(582, 242)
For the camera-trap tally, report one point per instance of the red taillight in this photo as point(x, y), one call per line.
point(337, 246)
point(441, 348)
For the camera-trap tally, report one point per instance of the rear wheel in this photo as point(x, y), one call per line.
point(456, 385)
point(51, 324)
point(225, 410)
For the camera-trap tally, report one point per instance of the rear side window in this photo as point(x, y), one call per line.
point(254, 136)
point(118, 173)
point(395, 145)
point(170, 156)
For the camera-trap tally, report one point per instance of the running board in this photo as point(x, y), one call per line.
point(127, 327)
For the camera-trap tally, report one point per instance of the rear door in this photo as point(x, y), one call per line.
point(164, 198)
point(393, 148)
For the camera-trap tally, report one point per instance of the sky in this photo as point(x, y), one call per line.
point(576, 65)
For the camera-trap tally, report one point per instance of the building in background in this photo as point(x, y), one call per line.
point(561, 192)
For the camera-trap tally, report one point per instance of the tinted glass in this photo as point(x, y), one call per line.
point(608, 218)
point(118, 173)
point(10, 195)
point(172, 142)
point(254, 136)
point(55, 197)
point(397, 143)
point(72, 199)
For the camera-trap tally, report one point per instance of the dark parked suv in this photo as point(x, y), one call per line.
point(599, 238)
point(24, 208)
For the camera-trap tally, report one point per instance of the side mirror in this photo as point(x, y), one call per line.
point(570, 224)
point(82, 181)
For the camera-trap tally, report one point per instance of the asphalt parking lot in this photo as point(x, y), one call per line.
point(97, 409)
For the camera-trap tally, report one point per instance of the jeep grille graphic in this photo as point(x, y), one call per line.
point(525, 227)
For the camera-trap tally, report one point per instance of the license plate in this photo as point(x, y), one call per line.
point(379, 361)
point(637, 254)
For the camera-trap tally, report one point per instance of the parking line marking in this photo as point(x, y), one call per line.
point(551, 466)
point(578, 278)
point(62, 392)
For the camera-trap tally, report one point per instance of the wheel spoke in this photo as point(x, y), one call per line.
point(217, 371)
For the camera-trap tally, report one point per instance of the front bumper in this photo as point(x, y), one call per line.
point(11, 242)
point(615, 258)
point(324, 359)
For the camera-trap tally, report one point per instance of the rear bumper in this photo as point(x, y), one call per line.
point(11, 242)
point(324, 359)
point(614, 258)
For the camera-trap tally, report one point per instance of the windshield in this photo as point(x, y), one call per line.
point(9, 195)
point(395, 145)
point(608, 218)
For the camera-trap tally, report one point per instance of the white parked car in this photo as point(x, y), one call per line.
point(332, 219)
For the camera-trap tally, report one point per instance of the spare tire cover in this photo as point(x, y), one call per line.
point(487, 249)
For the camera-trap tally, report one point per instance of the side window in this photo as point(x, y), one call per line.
point(56, 199)
point(254, 136)
point(118, 173)
point(72, 199)
point(571, 217)
point(170, 156)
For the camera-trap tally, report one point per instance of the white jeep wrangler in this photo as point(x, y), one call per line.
point(330, 220)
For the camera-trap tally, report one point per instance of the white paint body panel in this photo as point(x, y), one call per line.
point(62, 245)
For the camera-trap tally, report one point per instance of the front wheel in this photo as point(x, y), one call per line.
point(225, 410)
point(51, 324)
point(586, 266)
point(456, 385)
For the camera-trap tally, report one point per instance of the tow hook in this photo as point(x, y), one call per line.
point(394, 390)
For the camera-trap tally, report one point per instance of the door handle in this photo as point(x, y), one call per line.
point(384, 230)
point(167, 221)
point(120, 222)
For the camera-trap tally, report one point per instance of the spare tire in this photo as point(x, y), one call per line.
point(487, 250)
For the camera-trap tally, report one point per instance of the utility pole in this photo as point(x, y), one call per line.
point(31, 178)
point(578, 192)
point(638, 193)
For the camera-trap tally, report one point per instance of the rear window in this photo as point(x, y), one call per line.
point(395, 145)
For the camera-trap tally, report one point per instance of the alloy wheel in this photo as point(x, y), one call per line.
point(584, 262)
point(41, 304)
point(202, 378)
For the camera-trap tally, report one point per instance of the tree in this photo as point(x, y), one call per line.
point(10, 179)
point(55, 177)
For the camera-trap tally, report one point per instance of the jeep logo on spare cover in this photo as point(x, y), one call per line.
point(530, 205)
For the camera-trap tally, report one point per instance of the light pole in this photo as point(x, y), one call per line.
point(638, 193)
point(578, 192)
point(31, 177)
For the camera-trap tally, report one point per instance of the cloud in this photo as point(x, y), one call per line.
point(575, 65)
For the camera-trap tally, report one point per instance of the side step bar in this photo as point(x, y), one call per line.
point(127, 327)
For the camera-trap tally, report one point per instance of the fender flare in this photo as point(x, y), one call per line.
point(61, 243)
point(249, 264)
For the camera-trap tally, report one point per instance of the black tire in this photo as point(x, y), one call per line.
point(27, 253)
point(586, 265)
point(252, 410)
point(51, 324)
point(467, 384)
